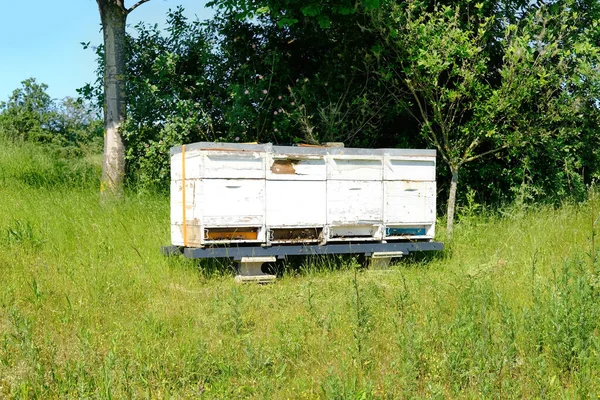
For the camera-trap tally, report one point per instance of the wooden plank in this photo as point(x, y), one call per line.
point(409, 202)
point(193, 165)
point(234, 165)
point(355, 167)
point(193, 218)
point(354, 202)
point(176, 199)
point(194, 234)
point(355, 232)
point(296, 203)
point(409, 169)
point(232, 202)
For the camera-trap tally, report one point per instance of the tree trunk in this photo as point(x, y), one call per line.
point(451, 203)
point(113, 16)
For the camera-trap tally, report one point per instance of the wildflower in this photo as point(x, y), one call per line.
point(237, 138)
point(246, 91)
point(279, 97)
point(293, 103)
point(275, 130)
point(275, 112)
point(260, 77)
point(265, 91)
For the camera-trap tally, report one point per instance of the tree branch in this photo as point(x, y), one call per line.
point(136, 5)
point(466, 160)
point(432, 136)
point(469, 149)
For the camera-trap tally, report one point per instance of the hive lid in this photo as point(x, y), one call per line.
point(223, 146)
point(268, 147)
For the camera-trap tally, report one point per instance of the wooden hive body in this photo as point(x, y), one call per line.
point(230, 193)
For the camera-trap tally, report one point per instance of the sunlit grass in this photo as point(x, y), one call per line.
point(89, 308)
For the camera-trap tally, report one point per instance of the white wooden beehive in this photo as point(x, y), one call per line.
point(231, 193)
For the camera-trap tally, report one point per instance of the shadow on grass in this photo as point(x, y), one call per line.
point(303, 265)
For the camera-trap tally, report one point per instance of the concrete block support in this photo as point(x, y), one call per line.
point(381, 260)
point(250, 270)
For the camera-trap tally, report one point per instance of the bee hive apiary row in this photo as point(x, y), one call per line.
point(231, 193)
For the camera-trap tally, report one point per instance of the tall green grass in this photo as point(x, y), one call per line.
point(89, 308)
point(31, 165)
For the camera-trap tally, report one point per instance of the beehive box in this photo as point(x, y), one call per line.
point(230, 193)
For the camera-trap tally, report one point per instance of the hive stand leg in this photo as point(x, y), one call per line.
point(381, 261)
point(249, 270)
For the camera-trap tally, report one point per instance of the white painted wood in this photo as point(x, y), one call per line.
point(193, 218)
point(347, 194)
point(409, 202)
point(296, 203)
point(354, 202)
point(193, 165)
point(232, 202)
point(192, 189)
point(353, 233)
point(234, 165)
point(355, 167)
point(175, 169)
point(409, 168)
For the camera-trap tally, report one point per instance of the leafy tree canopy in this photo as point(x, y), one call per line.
point(31, 114)
point(507, 90)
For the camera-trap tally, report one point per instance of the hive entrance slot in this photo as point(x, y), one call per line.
point(231, 234)
point(400, 231)
point(356, 232)
point(351, 235)
point(296, 234)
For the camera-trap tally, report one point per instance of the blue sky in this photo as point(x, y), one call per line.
point(42, 39)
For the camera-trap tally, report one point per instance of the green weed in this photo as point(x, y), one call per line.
point(97, 312)
point(21, 232)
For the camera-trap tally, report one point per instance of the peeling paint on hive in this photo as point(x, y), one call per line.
point(284, 167)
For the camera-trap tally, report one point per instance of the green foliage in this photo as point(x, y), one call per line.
point(28, 113)
point(66, 126)
point(286, 13)
point(465, 115)
point(232, 80)
point(79, 126)
point(471, 104)
point(310, 82)
point(22, 233)
point(508, 89)
point(171, 92)
point(564, 315)
point(35, 165)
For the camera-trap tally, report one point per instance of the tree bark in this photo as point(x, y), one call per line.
point(451, 203)
point(113, 16)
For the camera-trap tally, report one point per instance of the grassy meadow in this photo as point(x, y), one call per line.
point(90, 309)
